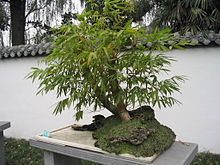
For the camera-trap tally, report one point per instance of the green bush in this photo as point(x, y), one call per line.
point(19, 152)
point(206, 158)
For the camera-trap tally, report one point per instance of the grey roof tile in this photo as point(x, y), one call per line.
point(26, 50)
point(206, 42)
point(217, 41)
point(200, 37)
point(45, 48)
point(195, 41)
point(176, 35)
point(188, 35)
point(212, 36)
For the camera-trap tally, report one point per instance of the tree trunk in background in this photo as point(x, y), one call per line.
point(17, 9)
point(1, 40)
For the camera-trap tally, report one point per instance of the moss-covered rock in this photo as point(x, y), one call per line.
point(142, 136)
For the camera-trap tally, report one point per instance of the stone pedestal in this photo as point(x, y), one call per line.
point(65, 147)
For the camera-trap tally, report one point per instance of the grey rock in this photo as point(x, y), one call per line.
point(96, 123)
point(139, 135)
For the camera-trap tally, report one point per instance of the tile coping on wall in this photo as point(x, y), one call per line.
point(42, 49)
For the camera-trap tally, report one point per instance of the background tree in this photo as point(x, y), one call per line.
point(17, 13)
point(141, 7)
point(187, 15)
point(3, 17)
point(101, 66)
point(178, 15)
point(3, 22)
point(25, 14)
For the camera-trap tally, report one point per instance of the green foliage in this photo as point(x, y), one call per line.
point(18, 151)
point(187, 15)
point(107, 13)
point(206, 158)
point(178, 15)
point(141, 7)
point(103, 61)
point(86, 162)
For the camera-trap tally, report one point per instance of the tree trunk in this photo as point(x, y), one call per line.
point(122, 111)
point(1, 40)
point(119, 110)
point(17, 9)
point(108, 105)
point(121, 107)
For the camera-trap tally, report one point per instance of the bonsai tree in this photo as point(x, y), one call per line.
point(106, 62)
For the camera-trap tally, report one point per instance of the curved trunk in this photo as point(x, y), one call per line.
point(119, 110)
point(105, 102)
point(122, 112)
point(108, 105)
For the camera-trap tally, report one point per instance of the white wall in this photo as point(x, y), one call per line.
point(196, 120)
point(29, 114)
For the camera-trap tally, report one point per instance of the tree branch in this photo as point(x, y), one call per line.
point(6, 1)
point(34, 8)
point(105, 102)
point(11, 2)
